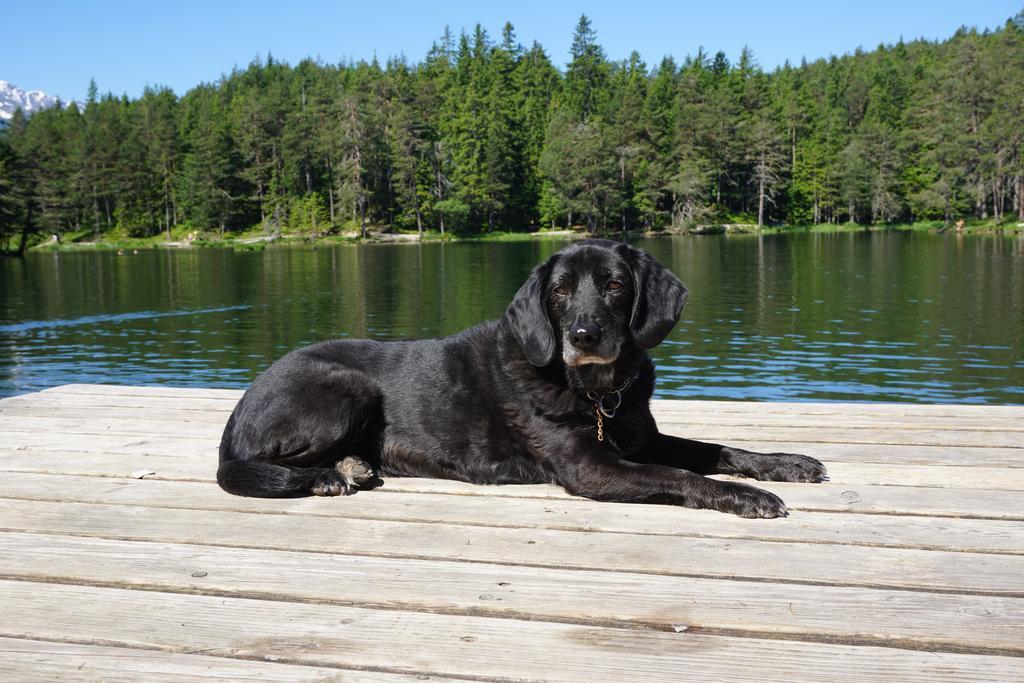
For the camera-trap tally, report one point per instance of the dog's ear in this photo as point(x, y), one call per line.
point(658, 299)
point(528, 317)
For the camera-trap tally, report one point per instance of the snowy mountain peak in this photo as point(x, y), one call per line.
point(12, 97)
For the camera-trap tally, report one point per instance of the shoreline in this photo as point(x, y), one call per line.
point(250, 242)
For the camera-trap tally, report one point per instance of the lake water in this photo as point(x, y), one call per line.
point(882, 316)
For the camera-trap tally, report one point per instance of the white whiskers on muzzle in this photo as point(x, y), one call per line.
point(574, 359)
point(573, 356)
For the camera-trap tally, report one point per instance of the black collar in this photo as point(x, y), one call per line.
point(599, 399)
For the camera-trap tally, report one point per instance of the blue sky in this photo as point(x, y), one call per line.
point(57, 46)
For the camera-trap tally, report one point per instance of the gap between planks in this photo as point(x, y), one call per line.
point(101, 424)
point(27, 660)
point(908, 619)
point(752, 560)
point(951, 535)
point(667, 413)
point(488, 648)
point(828, 408)
point(925, 502)
point(202, 468)
point(879, 454)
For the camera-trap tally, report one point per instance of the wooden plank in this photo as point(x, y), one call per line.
point(153, 390)
point(109, 443)
point(884, 454)
point(103, 424)
point(875, 500)
point(939, 476)
point(911, 619)
point(118, 465)
point(670, 414)
point(567, 514)
point(821, 408)
point(901, 500)
point(409, 642)
point(862, 498)
point(835, 410)
point(909, 500)
point(37, 660)
point(202, 468)
point(113, 413)
point(828, 424)
point(217, 411)
point(186, 403)
point(184, 445)
point(833, 434)
point(754, 560)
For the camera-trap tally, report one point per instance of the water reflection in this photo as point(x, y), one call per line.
point(857, 316)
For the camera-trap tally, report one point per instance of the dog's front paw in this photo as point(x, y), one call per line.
point(793, 467)
point(777, 466)
point(356, 471)
point(329, 483)
point(747, 501)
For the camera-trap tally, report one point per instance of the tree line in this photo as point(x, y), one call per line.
point(485, 134)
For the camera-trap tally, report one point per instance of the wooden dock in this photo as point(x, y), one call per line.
point(121, 559)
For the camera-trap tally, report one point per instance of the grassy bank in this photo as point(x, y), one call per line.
point(979, 228)
point(256, 239)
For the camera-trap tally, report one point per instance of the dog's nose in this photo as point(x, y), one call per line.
point(585, 335)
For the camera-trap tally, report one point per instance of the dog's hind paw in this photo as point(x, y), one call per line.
point(356, 471)
point(330, 483)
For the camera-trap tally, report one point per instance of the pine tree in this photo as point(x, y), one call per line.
point(349, 155)
point(627, 136)
point(482, 135)
point(13, 191)
point(409, 142)
point(536, 83)
point(502, 151)
point(766, 159)
point(208, 175)
point(257, 122)
point(586, 80)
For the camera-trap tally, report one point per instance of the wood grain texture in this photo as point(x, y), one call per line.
point(831, 408)
point(899, 500)
point(35, 660)
point(540, 511)
point(907, 618)
point(159, 391)
point(413, 642)
point(143, 425)
point(668, 413)
point(749, 559)
point(907, 565)
point(182, 444)
point(201, 468)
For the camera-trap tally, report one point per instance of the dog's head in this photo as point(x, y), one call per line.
point(593, 305)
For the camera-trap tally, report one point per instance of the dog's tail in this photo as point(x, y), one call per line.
point(266, 480)
point(247, 477)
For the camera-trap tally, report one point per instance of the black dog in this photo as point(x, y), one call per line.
point(555, 391)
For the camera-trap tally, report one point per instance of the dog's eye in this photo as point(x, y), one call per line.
point(613, 285)
point(561, 290)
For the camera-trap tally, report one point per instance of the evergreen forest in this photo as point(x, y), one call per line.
point(486, 134)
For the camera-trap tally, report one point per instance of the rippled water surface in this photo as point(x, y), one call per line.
point(862, 317)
